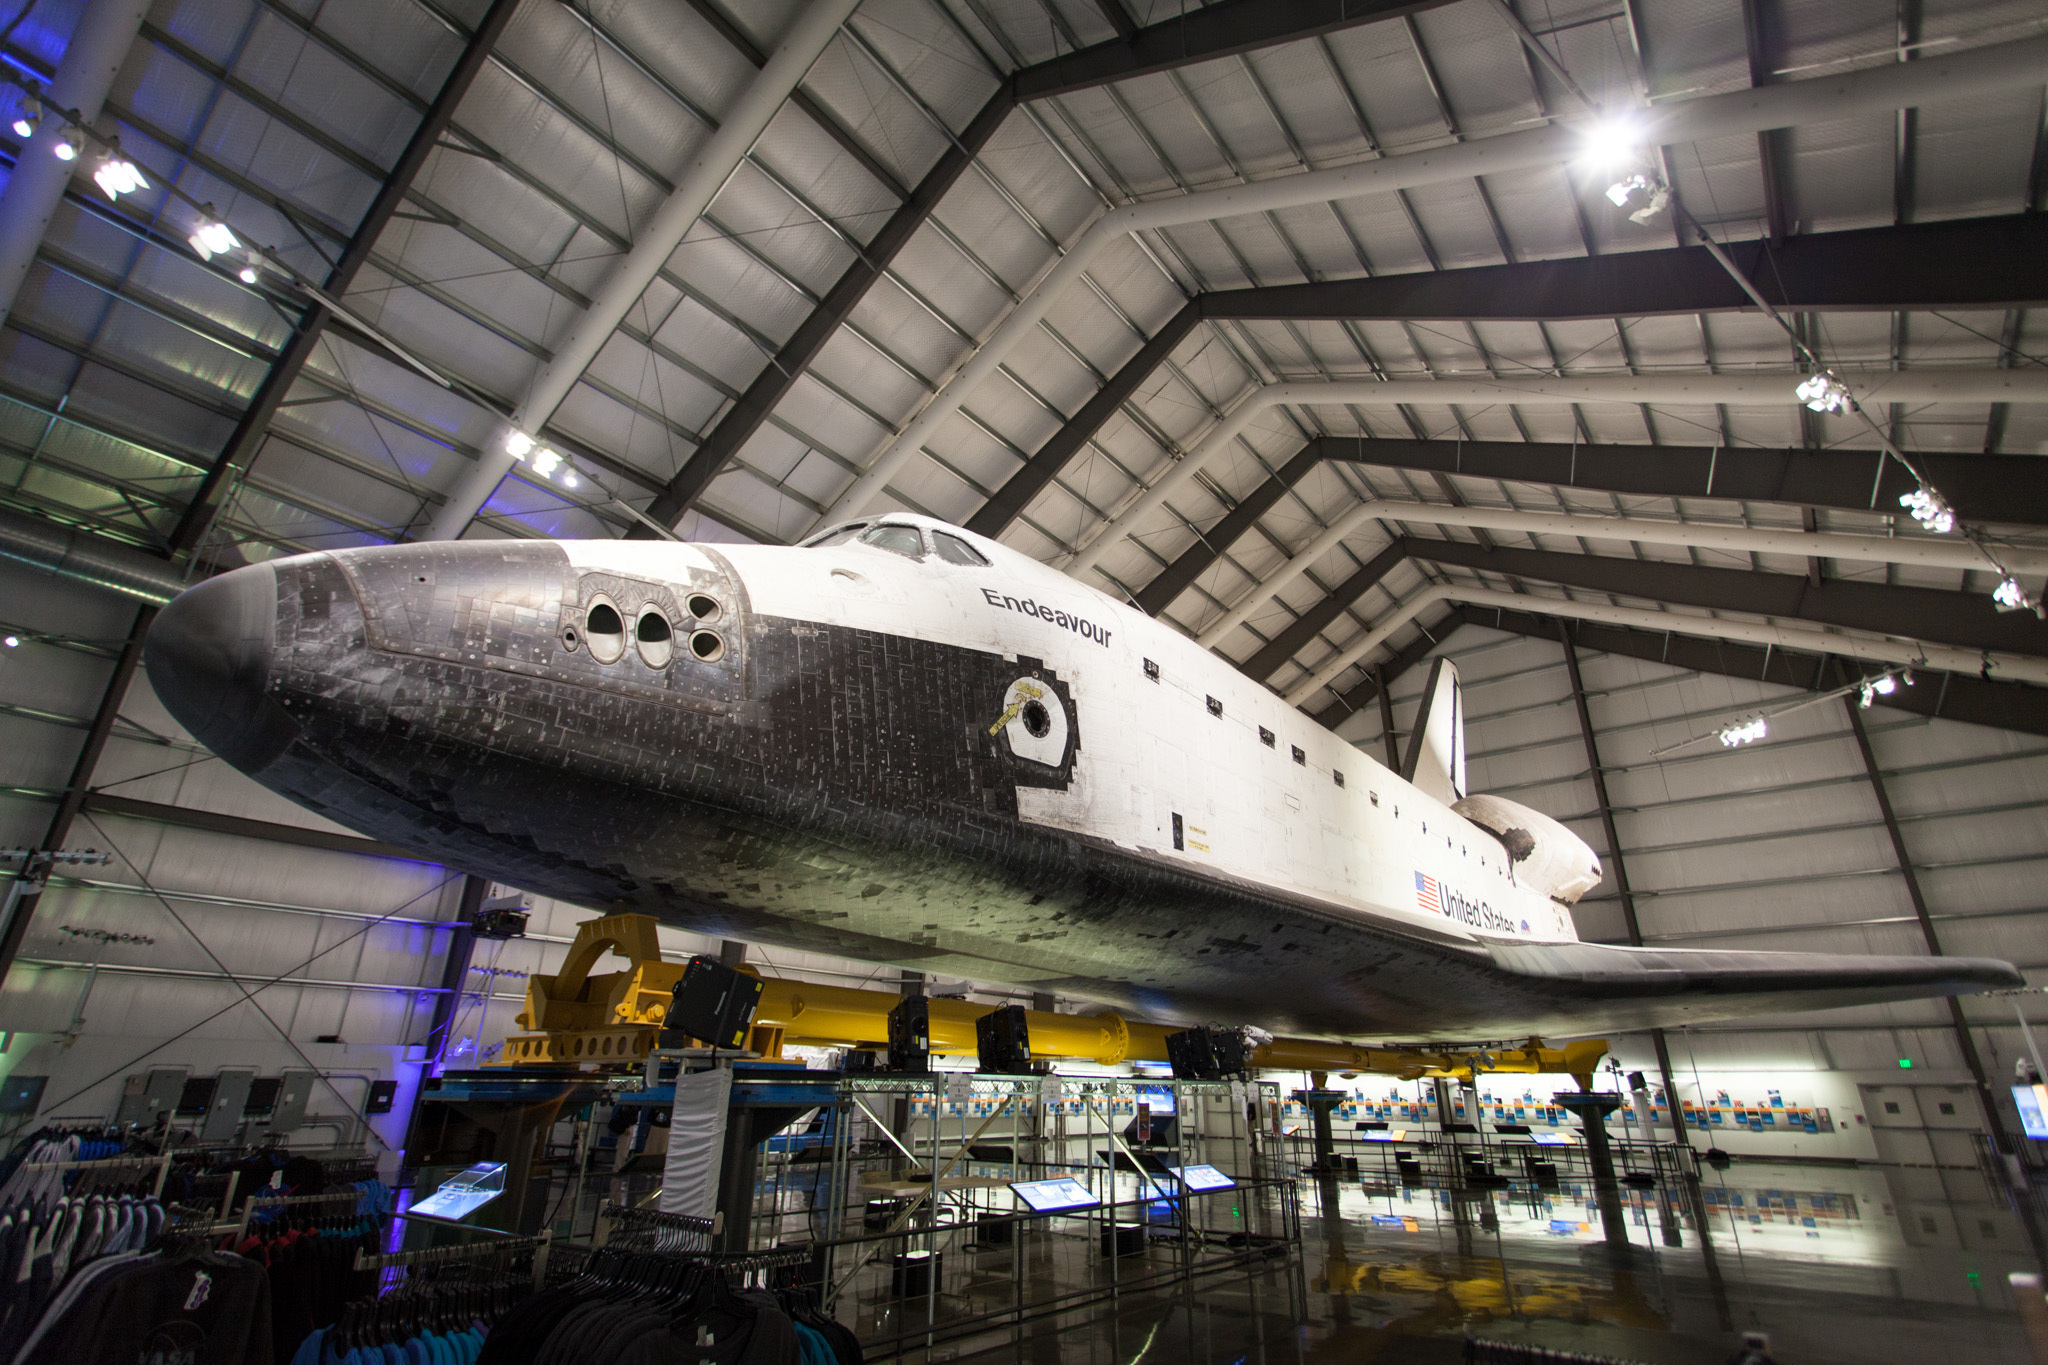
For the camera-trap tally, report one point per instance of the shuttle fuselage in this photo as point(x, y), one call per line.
point(935, 753)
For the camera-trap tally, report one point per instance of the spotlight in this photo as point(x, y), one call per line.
point(1823, 393)
point(1929, 509)
point(31, 114)
point(251, 272)
point(11, 641)
point(1611, 142)
point(569, 479)
point(2010, 596)
point(212, 237)
point(117, 175)
point(1884, 686)
point(518, 445)
point(546, 462)
point(1647, 193)
point(68, 146)
point(1743, 732)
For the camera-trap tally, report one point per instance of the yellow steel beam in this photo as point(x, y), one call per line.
point(574, 1004)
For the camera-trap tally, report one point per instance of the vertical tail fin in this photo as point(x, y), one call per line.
point(1435, 761)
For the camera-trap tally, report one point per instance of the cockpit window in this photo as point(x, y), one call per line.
point(903, 540)
point(837, 536)
point(954, 550)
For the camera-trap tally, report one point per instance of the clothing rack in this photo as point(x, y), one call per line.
point(278, 1201)
point(1479, 1352)
point(161, 1162)
point(457, 1255)
point(669, 1232)
point(749, 1261)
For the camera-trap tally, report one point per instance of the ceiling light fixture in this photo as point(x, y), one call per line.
point(68, 146)
point(31, 114)
point(11, 641)
point(1930, 509)
point(253, 271)
point(518, 445)
point(1743, 732)
point(2010, 596)
point(1611, 142)
point(212, 237)
point(546, 462)
point(1650, 196)
point(1755, 726)
point(1872, 688)
point(1824, 393)
point(117, 175)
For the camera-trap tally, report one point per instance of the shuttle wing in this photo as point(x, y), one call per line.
point(1598, 988)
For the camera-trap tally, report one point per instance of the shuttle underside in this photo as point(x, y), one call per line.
point(800, 784)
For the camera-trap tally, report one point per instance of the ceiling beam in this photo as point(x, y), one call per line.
point(1982, 488)
point(1371, 689)
point(1220, 30)
point(1007, 503)
point(1974, 263)
point(1201, 35)
point(1965, 262)
point(1964, 619)
point(752, 408)
point(254, 424)
point(1311, 623)
point(1951, 696)
point(1954, 618)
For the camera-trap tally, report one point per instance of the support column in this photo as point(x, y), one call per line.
point(1322, 1102)
point(1379, 680)
point(1965, 1041)
point(1591, 1108)
point(1695, 1197)
point(73, 800)
point(455, 971)
point(1619, 868)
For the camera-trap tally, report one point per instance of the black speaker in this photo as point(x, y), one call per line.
point(910, 1037)
point(382, 1095)
point(1205, 1054)
point(858, 1062)
point(712, 1003)
point(1003, 1039)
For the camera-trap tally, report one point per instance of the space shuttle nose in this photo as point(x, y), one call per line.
point(208, 656)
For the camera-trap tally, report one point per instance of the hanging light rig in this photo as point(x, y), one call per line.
point(540, 459)
point(1615, 142)
point(1746, 731)
point(1755, 725)
point(212, 237)
point(1615, 145)
point(116, 175)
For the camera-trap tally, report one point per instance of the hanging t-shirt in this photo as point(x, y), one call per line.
point(205, 1308)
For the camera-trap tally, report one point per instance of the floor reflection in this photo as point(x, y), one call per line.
point(1838, 1264)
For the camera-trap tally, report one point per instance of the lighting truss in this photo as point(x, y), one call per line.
point(1751, 726)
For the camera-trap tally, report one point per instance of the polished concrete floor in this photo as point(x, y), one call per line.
point(1840, 1265)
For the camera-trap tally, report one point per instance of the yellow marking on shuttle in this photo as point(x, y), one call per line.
point(1029, 693)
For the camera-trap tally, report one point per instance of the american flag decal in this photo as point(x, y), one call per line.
point(1426, 894)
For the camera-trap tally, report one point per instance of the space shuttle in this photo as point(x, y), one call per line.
point(905, 743)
